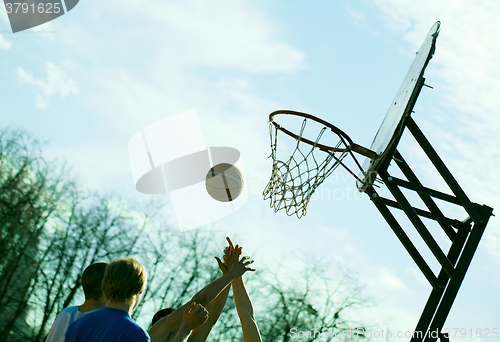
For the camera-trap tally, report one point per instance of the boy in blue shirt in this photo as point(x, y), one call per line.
point(123, 284)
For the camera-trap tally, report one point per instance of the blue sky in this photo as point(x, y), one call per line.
point(89, 80)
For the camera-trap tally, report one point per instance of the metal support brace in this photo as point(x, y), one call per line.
point(405, 240)
point(425, 197)
point(419, 225)
point(463, 264)
point(442, 169)
point(464, 235)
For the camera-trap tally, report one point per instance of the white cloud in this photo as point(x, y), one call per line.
point(57, 82)
point(466, 60)
point(357, 17)
point(192, 33)
point(153, 67)
point(4, 17)
point(391, 280)
point(4, 43)
point(232, 35)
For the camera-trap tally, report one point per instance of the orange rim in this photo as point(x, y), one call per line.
point(343, 136)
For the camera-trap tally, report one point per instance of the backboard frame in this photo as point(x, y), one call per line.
point(388, 135)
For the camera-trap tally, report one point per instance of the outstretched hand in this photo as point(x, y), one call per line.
point(232, 261)
point(231, 253)
point(194, 316)
point(240, 266)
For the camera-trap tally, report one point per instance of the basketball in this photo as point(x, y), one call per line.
point(224, 182)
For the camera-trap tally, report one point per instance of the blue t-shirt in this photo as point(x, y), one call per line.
point(106, 325)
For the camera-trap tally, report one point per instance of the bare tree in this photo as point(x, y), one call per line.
point(30, 191)
point(309, 301)
point(92, 230)
point(50, 232)
point(179, 265)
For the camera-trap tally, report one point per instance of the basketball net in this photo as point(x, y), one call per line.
point(294, 181)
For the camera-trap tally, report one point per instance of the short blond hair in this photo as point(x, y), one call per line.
point(123, 280)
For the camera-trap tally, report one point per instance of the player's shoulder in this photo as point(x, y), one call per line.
point(83, 317)
point(140, 337)
point(69, 310)
point(67, 314)
point(61, 323)
point(82, 324)
point(136, 332)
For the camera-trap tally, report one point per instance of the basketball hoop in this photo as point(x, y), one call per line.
point(294, 181)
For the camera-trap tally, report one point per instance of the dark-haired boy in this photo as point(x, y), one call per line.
point(94, 299)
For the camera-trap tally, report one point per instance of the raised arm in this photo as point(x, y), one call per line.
point(212, 290)
point(244, 308)
point(214, 309)
point(242, 300)
point(172, 322)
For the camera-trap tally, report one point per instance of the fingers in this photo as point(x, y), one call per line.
point(194, 316)
point(200, 312)
point(229, 241)
point(232, 256)
point(243, 260)
point(222, 265)
point(197, 309)
point(246, 263)
point(218, 261)
point(231, 248)
point(249, 268)
point(203, 315)
point(235, 252)
point(190, 307)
